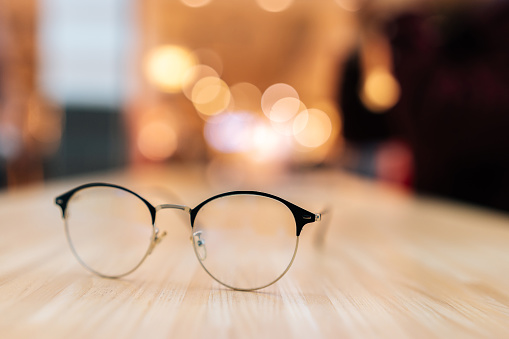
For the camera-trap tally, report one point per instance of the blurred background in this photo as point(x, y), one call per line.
point(411, 92)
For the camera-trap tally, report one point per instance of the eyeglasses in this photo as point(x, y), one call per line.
point(245, 240)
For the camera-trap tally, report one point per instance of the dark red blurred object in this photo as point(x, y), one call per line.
point(453, 69)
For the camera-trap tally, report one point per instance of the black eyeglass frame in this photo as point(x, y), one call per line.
point(302, 216)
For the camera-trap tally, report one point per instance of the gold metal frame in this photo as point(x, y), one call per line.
point(302, 217)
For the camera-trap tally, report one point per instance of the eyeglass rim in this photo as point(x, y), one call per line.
point(63, 199)
point(301, 216)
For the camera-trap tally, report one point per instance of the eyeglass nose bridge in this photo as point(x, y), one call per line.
point(173, 206)
point(158, 237)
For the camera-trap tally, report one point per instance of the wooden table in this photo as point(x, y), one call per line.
point(392, 266)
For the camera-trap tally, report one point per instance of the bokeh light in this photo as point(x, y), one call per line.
point(193, 75)
point(245, 133)
point(195, 3)
point(230, 132)
point(267, 144)
point(157, 140)
point(210, 96)
point(314, 126)
point(381, 90)
point(331, 109)
point(285, 109)
point(300, 122)
point(166, 67)
point(275, 93)
point(283, 113)
point(274, 5)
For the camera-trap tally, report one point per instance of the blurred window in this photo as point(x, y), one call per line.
point(83, 49)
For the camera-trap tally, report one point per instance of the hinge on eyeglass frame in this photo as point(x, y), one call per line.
point(318, 217)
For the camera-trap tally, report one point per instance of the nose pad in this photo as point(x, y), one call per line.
point(199, 245)
point(157, 239)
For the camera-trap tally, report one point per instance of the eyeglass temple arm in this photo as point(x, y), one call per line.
point(324, 217)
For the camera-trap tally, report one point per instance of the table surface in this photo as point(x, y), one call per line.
point(392, 265)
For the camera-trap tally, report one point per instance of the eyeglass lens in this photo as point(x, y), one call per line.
point(245, 241)
point(110, 230)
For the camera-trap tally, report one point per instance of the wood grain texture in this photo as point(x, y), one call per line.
point(392, 266)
